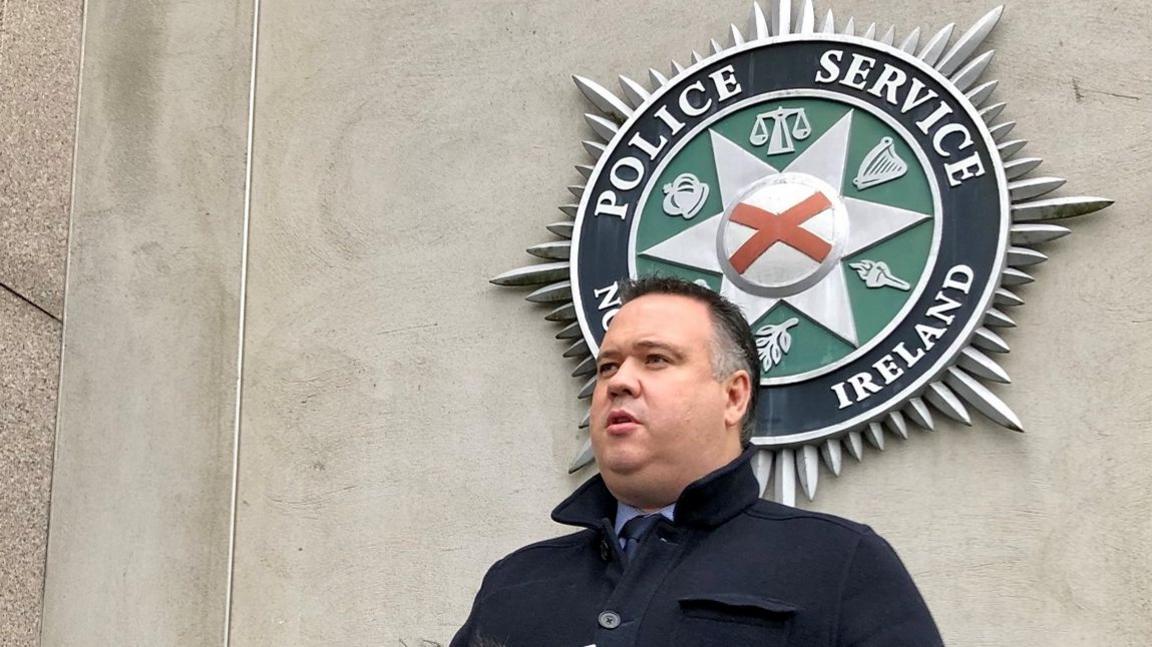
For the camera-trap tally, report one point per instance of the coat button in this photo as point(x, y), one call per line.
point(609, 619)
point(604, 552)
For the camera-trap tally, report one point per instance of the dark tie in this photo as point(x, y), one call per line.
point(634, 530)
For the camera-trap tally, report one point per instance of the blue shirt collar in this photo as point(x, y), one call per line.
point(625, 513)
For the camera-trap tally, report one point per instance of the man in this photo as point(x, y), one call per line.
point(678, 548)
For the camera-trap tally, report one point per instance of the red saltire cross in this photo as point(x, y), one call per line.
point(784, 228)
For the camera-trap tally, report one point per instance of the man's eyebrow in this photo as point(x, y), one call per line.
point(649, 344)
point(608, 352)
point(644, 345)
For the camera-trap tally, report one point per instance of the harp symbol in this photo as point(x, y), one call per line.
point(880, 165)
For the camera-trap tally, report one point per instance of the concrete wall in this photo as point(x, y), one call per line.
point(39, 65)
point(141, 517)
point(402, 423)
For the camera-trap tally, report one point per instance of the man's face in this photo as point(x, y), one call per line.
point(660, 418)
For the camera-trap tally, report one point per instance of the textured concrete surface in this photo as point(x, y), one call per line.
point(140, 524)
point(29, 368)
point(39, 61)
point(405, 424)
point(39, 54)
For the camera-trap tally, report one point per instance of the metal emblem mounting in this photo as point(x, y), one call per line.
point(856, 197)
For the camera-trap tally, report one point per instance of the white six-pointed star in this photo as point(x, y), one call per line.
point(827, 301)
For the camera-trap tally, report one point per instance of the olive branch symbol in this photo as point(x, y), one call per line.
point(773, 343)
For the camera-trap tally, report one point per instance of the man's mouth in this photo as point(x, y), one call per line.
point(620, 420)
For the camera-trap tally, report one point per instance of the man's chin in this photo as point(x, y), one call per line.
point(623, 463)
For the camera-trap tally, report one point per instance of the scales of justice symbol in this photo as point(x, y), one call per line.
point(788, 125)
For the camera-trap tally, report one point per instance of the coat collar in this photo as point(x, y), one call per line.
point(709, 501)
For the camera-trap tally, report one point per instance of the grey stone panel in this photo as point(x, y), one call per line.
point(39, 64)
point(140, 522)
point(405, 423)
point(39, 55)
point(29, 368)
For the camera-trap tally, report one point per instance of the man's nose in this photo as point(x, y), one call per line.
point(623, 381)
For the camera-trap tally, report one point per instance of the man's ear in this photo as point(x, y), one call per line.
point(738, 388)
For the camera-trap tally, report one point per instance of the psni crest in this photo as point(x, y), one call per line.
point(858, 198)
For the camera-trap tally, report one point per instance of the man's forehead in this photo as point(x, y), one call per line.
point(657, 305)
point(659, 319)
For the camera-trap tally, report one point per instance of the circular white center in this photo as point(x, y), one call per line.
point(782, 234)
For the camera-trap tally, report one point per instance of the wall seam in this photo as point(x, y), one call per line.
point(18, 295)
point(242, 320)
point(64, 306)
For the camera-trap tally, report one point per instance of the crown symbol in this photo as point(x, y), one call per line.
point(880, 165)
point(685, 196)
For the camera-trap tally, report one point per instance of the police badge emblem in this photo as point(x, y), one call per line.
point(858, 198)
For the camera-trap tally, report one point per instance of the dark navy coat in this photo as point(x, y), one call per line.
point(732, 570)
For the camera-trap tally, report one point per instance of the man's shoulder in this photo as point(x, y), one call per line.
point(799, 520)
point(563, 542)
point(544, 553)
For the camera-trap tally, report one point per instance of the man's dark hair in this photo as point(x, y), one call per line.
point(734, 346)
